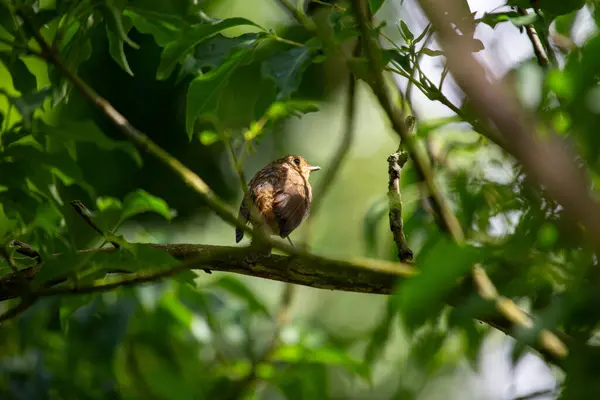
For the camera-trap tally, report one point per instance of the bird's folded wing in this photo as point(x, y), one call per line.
point(290, 208)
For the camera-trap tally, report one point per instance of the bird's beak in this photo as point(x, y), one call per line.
point(314, 168)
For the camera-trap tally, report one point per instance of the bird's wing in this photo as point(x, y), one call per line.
point(244, 215)
point(290, 207)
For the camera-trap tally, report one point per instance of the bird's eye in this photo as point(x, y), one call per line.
point(297, 161)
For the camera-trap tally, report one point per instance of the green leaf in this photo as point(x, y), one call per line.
point(141, 201)
point(554, 8)
point(298, 353)
point(117, 29)
point(402, 59)
point(432, 53)
point(163, 33)
point(59, 266)
point(28, 103)
point(283, 109)
point(442, 263)
point(85, 131)
point(238, 289)
point(135, 257)
point(59, 164)
point(23, 80)
point(6, 224)
point(175, 51)
point(204, 92)
point(214, 51)
point(406, 33)
point(375, 5)
point(286, 68)
point(493, 19)
point(209, 137)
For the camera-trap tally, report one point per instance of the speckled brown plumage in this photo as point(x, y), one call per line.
point(281, 193)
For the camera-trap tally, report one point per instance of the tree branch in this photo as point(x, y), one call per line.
point(363, 276)
point(360, 276)
point(538, 47)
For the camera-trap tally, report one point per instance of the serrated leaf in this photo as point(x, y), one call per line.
point(141, 201)
point(286, 69)
point(239, 289)
point(175, 51)
point(214, 51)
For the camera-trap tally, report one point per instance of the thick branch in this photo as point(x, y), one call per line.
point(364, 276)
point(360, 276)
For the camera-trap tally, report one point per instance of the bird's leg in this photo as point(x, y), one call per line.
point(290, 240)
point(260, 247)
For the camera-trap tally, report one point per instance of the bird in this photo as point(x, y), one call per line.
point(281, 194)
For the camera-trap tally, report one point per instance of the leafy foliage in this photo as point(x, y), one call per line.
point(88, 329)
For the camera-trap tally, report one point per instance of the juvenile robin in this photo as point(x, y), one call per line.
point(282, 195)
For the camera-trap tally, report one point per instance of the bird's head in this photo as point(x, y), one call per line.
point(299, 164)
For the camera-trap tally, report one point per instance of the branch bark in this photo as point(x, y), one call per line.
point(360, 276)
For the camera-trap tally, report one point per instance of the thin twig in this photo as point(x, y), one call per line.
point(86, 214)
point(26, 250)
point(545, 40)
point(17, 310)
point(538, 47)
point(298, 15)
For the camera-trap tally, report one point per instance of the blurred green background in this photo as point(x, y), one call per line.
point(169, 340)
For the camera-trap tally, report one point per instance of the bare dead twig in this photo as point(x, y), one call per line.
point(395, 163)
